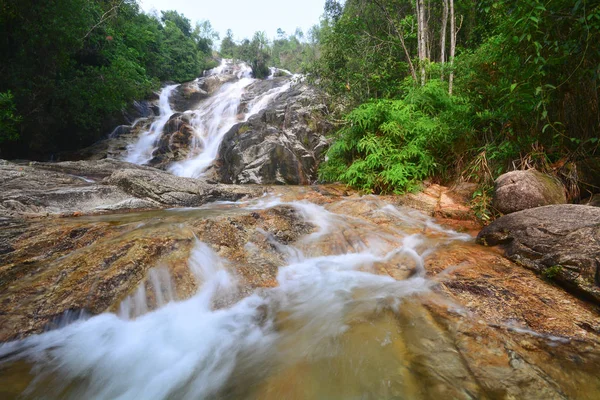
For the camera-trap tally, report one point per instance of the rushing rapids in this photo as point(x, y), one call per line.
point(339, 299)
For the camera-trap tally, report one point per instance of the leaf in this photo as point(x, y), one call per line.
point(513, 86)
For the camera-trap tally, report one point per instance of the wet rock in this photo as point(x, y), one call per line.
point(188, 95)
point(561, 242)
point(167, 189)
point(283, 144)
point(520, 190)
point(115, 146)
point(442, 202)
point(83, 187)
point(175, 141)
point(93, 263)
point(489, 329)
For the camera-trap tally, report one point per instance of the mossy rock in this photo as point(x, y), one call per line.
point(521, 190)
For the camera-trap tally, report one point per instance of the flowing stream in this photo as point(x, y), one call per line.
point(192, 349)
point(344, 319)
point(140, 152)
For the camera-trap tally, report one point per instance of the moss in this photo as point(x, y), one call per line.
point(552, 272)
point(553, 188)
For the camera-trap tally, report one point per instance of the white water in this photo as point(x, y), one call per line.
point(140, 152)
point(210, 122)
point(190, 350)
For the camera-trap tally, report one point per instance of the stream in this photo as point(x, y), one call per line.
point(346, 314)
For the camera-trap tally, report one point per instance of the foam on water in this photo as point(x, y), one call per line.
point(141, 151)
point(188, 349)
point(210, 121)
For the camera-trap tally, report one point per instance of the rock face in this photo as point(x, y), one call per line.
point(561, 242)
point(283, 144)
point(187, 95)
point(520, 190)
point(175, 141)
point(84, 187)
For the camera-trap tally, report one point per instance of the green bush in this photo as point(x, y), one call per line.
point(391, 145)
point(9, 119)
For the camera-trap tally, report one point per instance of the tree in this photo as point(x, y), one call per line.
point(443, 33)
point(453, 33)
point(228, 46)
point(180, 21)
point(72, 66)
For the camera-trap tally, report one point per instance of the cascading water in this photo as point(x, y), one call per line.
point(350, 314)
point(211, 122)
point(213, 118)
point(192, 350)
point(141, 151)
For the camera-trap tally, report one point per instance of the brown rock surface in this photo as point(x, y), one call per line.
point(489, 329)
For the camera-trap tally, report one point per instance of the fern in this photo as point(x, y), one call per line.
point(392, 145)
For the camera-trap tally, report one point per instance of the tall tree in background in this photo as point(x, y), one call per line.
point(443, 34)
point(453, 35)
point(422, 37)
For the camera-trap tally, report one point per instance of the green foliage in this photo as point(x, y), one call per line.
point(9, 119)
point(391, 145)
point(481, 203)
point(73, 65)
point(552, 272)
point(295, 52)
point(526, 74)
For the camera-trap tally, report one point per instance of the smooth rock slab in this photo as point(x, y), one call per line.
point(87, 187)
point(561, 242)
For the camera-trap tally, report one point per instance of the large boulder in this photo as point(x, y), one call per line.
point(521, 190)
point(561, 242)
point(188, 95)
point(282, 144)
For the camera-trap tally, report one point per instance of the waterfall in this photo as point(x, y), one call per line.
point(141, 151)
point(212, 118)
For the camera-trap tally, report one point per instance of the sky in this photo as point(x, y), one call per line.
point(244, 17)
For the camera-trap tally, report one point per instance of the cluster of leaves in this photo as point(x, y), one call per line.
point(9, 119)
point(528, 70)
point(391, 145)
point(71, 66)
point(291, 52)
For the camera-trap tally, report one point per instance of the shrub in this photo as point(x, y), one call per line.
point(392, 145)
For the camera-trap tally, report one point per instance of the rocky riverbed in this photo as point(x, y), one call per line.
point(463, 322)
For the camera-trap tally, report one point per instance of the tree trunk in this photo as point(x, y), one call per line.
point(453, 32)
point(422, 37)
point(400, 34)
point(443, 36)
